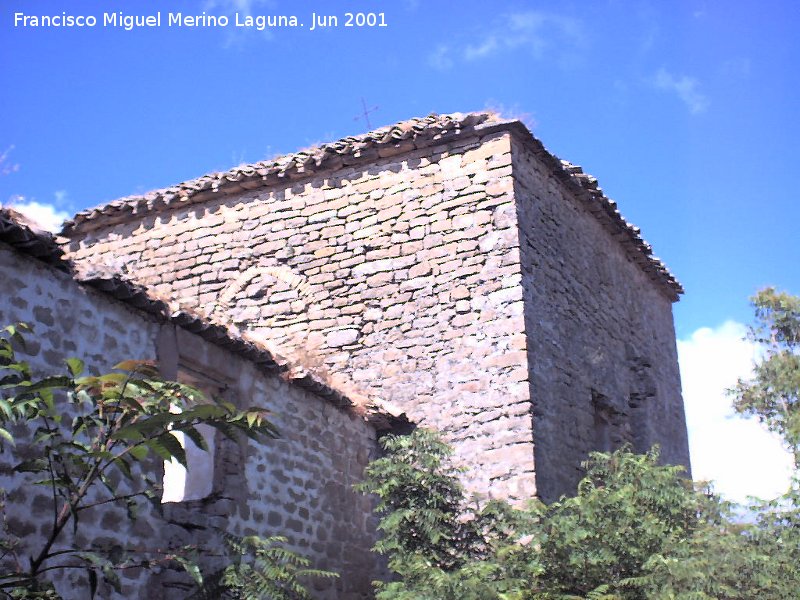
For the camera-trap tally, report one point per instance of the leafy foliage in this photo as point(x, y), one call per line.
point(441, 547)
point(93, 438)
point(627, 510)
point(261, 569)
point(733, 560)
point(634, 530)
point(773, 394)
point(420, 492)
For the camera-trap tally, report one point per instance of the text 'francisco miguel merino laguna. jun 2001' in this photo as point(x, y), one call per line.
point(129, 22)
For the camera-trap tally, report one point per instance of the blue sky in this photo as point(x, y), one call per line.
point(685, 111)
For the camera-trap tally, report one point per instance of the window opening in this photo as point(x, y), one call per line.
point(196, 483)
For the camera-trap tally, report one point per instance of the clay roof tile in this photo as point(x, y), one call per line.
point(419, 132)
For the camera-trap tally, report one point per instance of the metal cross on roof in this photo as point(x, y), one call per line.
point(365, 113)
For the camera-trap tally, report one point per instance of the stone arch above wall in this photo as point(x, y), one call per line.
point(268, 295)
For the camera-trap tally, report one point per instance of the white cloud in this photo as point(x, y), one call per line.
point(47, 216)
point(548, 35)
point(440, 58)
point(6, 166)
point(686, 88)
point(61, 197)
point(537, 32)
point(485, 48)
point(739, 455)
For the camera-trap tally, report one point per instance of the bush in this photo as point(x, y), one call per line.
point(634, 530)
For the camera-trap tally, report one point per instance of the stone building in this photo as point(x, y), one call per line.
point(298, 486)
point(448, 266)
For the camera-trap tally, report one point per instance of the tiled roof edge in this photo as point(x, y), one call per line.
point(586, 189)
point(384, 142)
point(353, 150)
point(19, 234)
point(23, 235)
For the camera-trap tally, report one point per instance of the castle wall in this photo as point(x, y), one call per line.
point(299, 486)
point(401, 276)
point(602, 354)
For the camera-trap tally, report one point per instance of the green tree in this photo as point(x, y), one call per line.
point(94, 441)
point(773, 393)
point(440, 545)
point(635, 530)
point(628, 510)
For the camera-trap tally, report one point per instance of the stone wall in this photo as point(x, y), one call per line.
point(401, 275)
point(602, 354)
point(299, 486)
point(458, 275)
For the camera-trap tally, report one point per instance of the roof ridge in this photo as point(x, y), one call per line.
point(24, 234)
point(604, 209)
point(393, 139)
point(382, 142)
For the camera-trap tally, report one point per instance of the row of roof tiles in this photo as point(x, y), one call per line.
point(23, 235)
point(387, 141)
point(348, 150)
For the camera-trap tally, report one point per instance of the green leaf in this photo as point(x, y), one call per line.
point(203, 412)
point(7, 410)
point(93, 558)
point(75, 366)
point(196, 437)
point(156, 446)
point(139, 452)
point(15, 334)
point(132, 508)
point(112, 379)
point(33, 465)
point(92, 583)
point(142, 367)
point(59, 382)
point(7, 436)
point(190, 567)
point(112, 578)
point(124, 467)
point(173, 446)
point(133, 432)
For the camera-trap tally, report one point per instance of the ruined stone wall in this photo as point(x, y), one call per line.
point(602, 354)
point(401, 275)
point(299, 486)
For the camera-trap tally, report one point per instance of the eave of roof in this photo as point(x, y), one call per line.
point(586, 189)
point(380, 143)
point(20, 234)
point(385, 142)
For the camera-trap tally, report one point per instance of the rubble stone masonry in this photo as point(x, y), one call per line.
point(601, 342)
point(299, 486)
point(460, 279)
